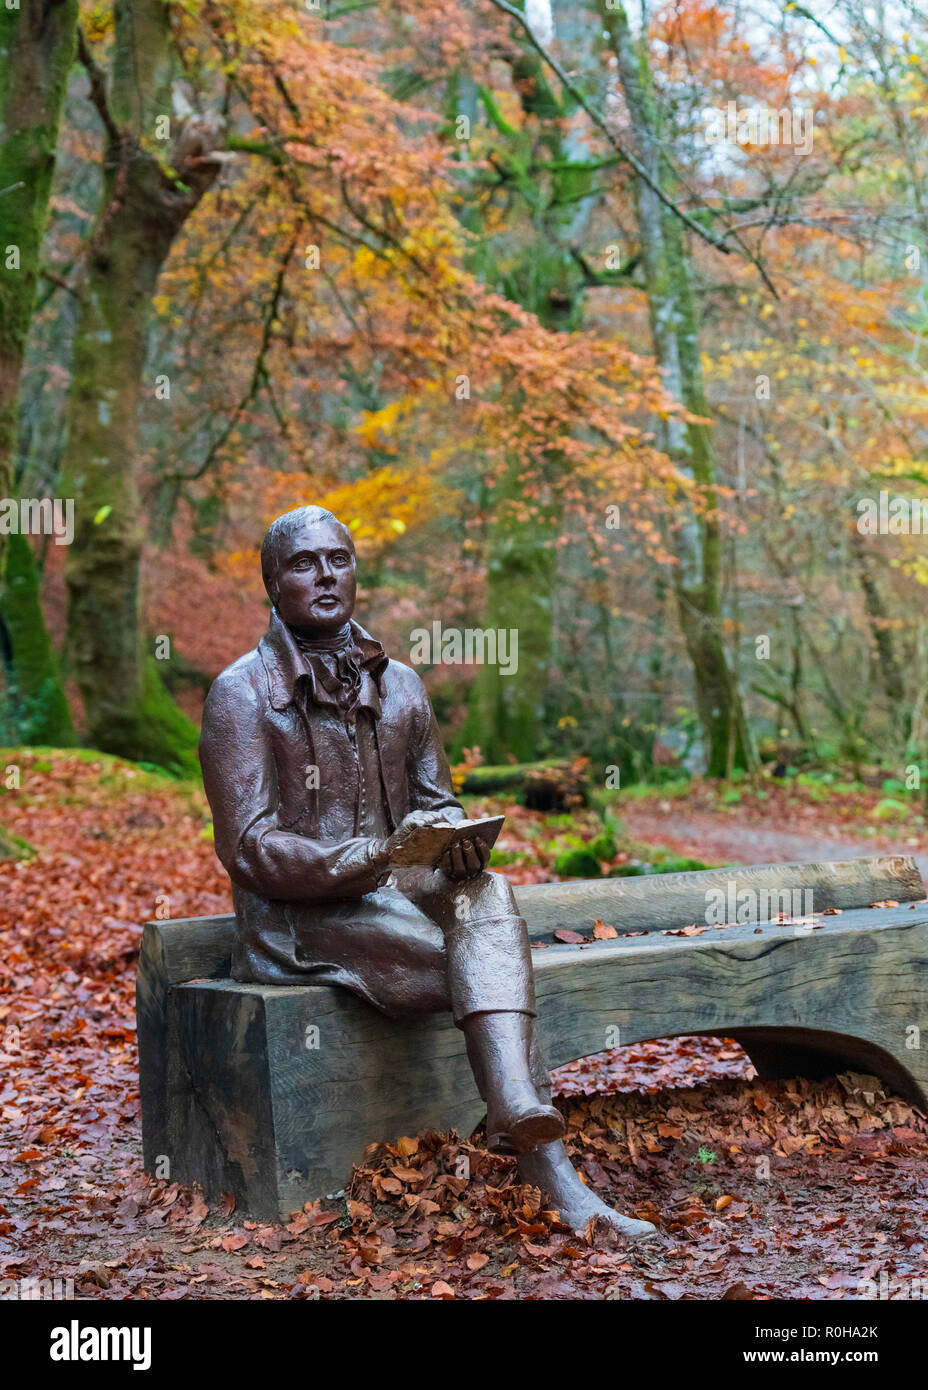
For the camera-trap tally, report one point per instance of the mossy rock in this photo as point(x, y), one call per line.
point(629, 870)
point(577, 863)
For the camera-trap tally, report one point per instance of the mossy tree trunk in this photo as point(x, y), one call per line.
point(36, 709)
point(146, 201)
point(37, 47)
point(674, 332)
point(505, 712)
point(37, 44)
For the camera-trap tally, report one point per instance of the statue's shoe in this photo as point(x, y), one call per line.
point(627, 1226)
point(550, 1169)
point(519, 1130)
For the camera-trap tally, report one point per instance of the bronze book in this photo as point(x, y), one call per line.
point(433, 840)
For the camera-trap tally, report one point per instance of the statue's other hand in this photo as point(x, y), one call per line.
point(466, 859)
point(422, 818)
point(412, 842)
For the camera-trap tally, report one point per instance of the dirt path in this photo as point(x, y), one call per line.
point(719, 837)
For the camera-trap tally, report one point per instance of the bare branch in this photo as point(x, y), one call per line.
point(600, 123)
point(97, 87)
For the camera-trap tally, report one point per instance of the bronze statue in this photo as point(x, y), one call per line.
point(326, 776)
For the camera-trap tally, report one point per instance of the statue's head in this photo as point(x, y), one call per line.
point(309, 569)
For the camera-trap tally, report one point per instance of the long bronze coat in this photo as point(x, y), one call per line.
point(306, 897)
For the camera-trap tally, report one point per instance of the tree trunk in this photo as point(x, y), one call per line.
point(38, 44)
point(36, 708)
point(506, 713)
point(888, 670)
point(674, 333)
point(143, 209)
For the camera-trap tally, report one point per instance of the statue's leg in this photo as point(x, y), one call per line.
point(492, 990)
point(490, 968)
point(549, 1167)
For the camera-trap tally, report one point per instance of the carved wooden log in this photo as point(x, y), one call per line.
point(659, 901)
point(272, 1093)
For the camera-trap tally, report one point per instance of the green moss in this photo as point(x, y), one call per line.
point(888, 809)
point(673, 864)
point(14, 847)
point(165, 738)
point(604, 846)
point(36, 708)
point(577, 863)
point(499, 858)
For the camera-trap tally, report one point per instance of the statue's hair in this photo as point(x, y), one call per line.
point(282, 529)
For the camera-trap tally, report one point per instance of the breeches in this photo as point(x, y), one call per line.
point(423, 944)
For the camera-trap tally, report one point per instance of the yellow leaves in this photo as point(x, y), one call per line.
point(386, 503)
point(98, 23)
point(366, 265)
point(382, 422)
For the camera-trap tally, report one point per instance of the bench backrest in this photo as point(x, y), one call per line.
point(190, 948)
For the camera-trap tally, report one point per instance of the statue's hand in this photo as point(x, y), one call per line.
point(466, 859)
point(411, 843)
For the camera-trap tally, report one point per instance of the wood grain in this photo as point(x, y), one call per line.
point(658, 901)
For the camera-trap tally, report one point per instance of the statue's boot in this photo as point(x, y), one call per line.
point(499, 1048)
point(549, 1167)
point(492, 991)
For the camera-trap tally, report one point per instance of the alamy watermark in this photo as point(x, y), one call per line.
point(892, 516)
point(38, 516)
point(455, 646)
point(77, 1343)
point(730, 904)
point(896, 1289)
point(760, 125)
point(32, 1289)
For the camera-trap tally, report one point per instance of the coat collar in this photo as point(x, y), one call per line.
point(284, 665)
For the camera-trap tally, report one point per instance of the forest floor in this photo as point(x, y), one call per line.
point(761, 1190)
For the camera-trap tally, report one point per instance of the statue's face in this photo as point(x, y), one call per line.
point(316, 581)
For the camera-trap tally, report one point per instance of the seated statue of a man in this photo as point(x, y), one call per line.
point(323, 765)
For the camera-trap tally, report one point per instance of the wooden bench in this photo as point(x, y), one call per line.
point(273, 1093)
